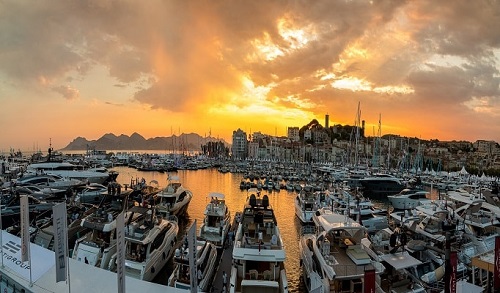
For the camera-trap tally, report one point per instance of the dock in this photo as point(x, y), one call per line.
point(16, 275)
point(226, 259)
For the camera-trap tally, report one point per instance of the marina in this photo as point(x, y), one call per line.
point(339, 218)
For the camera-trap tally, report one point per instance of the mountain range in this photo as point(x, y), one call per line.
point(109, 141)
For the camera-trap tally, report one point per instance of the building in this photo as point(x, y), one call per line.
point(293, 134)
point(240, 145)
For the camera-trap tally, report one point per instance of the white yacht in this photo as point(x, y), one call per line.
point(408, 198)
point(49, 180)
point(217, 220)
point(334, 257)
point(149, 243)
point(174, 199)
point(98, 245)
point(69, 170)
point(306, 203)
point(258, 252)
point(360, 209)
point(206, 263)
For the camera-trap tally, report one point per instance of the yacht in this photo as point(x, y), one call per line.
point(69, 170)
point(174, 199)
point(360, 209)
point(408, 198)
point(206, 263)
point(149, 243)
point(258, 252)
point(306, 203)
point(381, 185)
point(98, 245)
point(49, 180)
point(45, 233)
point(92, 193)
point(217, 220)
point(334, 257)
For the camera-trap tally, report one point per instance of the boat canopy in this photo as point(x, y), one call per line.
point(336, 221)
point(400, 260)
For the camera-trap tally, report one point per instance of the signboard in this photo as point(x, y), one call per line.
point(42, 259)
point(59, 217)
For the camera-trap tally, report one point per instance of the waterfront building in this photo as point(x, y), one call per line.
point(240, 145)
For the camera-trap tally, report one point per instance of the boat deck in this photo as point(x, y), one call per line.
point(348, 260)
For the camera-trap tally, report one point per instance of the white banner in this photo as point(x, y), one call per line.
point(42, 259)
point(25, 224)
point(120, 252)
point(60, 240)
point(192, 257)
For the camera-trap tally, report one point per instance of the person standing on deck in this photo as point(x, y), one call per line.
point(200, 276)
point(224, 281)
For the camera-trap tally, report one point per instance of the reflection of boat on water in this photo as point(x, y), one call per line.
point(206, 258)
point(258, 253)
point(217, 220)
point(149, 242)
point(174, 199)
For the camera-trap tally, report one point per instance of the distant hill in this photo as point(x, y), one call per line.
point(109, 141)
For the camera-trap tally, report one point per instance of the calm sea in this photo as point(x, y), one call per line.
point(202, 182)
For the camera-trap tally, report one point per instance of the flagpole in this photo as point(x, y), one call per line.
point(31, 279)
point(1, 235)
point(67, 252)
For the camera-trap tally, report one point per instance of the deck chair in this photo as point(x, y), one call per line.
point(253, 274)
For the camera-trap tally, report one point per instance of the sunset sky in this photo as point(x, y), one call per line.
point(429, 69)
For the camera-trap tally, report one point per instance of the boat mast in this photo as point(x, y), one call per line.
point(356, 137)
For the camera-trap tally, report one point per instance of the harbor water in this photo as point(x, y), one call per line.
point(201, 183)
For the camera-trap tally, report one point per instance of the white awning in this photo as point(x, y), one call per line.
point(400, 260)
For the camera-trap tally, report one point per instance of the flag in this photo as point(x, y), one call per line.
point(25, 223)
point(191, 237)
point(120, 252)
point(496, 274)
point(453, 275)
point(369, 281)
point(59, 216)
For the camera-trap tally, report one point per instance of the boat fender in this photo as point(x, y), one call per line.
point(153, 270)
point(163, 255)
